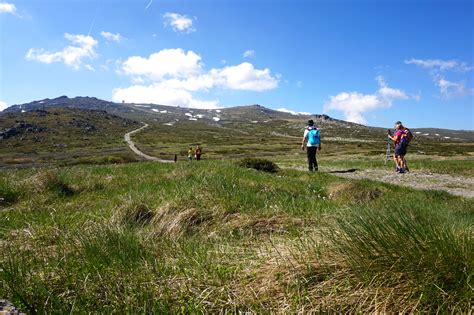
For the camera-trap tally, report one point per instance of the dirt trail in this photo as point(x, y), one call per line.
point(456, 185)
point(132, 146)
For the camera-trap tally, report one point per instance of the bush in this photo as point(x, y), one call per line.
point(259, 164)
point(9, 193)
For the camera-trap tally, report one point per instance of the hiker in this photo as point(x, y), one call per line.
point(198, 153)
point(402, 138)
point(175, 158)
point(312, 141)
point(190, 154)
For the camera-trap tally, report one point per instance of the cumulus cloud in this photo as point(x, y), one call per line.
point(355, 104)
point(249, 53)
point(166, 62)
point(438, 69)
point(83, 47)
point(244, 77)
point(112, 37)
point(179, 23)
point(158, 94)
point(176, 72)
point(3, 105)
point(9, 8)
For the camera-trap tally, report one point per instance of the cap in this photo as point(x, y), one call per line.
point(310, 122)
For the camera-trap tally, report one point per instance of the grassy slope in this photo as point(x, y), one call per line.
point(280, 140)
point(66, 136)
point(211, 237)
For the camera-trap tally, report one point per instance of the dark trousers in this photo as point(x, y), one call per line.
point(312, 162)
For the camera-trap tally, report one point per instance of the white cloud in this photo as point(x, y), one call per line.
point(148, 5)
point(166, 62)
point(437, 69)
point(9, 8)
point(112, 37)
point(389, 93)
point(3, 105)
point(176, 72)
point(289, 111)
point(450, 89)
point(355, 104)
point(440, 65)
point(249, 53)
point(89, 67)
point(244, 77)
point(82, 48)
point(179, 23)
point(157, 94)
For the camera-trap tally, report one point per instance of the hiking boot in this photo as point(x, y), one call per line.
point(401, 171)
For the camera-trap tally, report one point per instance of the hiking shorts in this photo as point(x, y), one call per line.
point(401, 149)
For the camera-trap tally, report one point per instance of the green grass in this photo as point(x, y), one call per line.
point(65, 136)
point(215, 237)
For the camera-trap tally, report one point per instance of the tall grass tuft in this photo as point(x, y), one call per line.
point(404, 246)
point(52, 181)
point(9, 192)
point(259, 164)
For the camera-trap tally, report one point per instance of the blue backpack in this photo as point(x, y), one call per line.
point(314, 137)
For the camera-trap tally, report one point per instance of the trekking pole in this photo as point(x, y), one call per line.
point(387, 156)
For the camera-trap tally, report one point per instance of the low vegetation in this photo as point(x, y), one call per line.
point(259, 164)
point(215, 237)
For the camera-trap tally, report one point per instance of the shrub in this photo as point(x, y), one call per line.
point(9, 193)
point(259, 164)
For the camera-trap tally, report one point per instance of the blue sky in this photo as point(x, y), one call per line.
point(372, 62)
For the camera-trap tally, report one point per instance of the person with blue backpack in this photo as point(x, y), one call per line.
point(312, 141)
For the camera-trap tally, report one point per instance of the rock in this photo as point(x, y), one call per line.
point(7, 308)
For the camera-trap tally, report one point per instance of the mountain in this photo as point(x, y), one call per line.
point(74, 129)
point(62, 135)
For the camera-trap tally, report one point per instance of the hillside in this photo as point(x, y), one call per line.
point(62, 135)
point(213, 237)
point(234, 132)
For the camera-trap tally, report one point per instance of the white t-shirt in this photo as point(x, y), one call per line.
point(305, 135)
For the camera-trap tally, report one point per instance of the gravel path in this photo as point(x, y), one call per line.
point(456, 185)
point(132, 146)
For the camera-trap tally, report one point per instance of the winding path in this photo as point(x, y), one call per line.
point(456, 185)
point(132, 146)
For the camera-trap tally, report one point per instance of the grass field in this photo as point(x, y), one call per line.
point(215, 237)
point(65, 136)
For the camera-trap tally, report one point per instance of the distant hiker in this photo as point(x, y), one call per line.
point(175, 158)
point(402, 138)
point(198, 153)
point(190, 154)
point(312, 141)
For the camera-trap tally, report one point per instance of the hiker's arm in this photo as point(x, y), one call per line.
point(303, 143)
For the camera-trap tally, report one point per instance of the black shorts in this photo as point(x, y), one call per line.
point(401, 148)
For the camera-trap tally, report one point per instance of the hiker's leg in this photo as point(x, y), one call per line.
point(315, 159)
point(311, 152)
point(395, 160)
